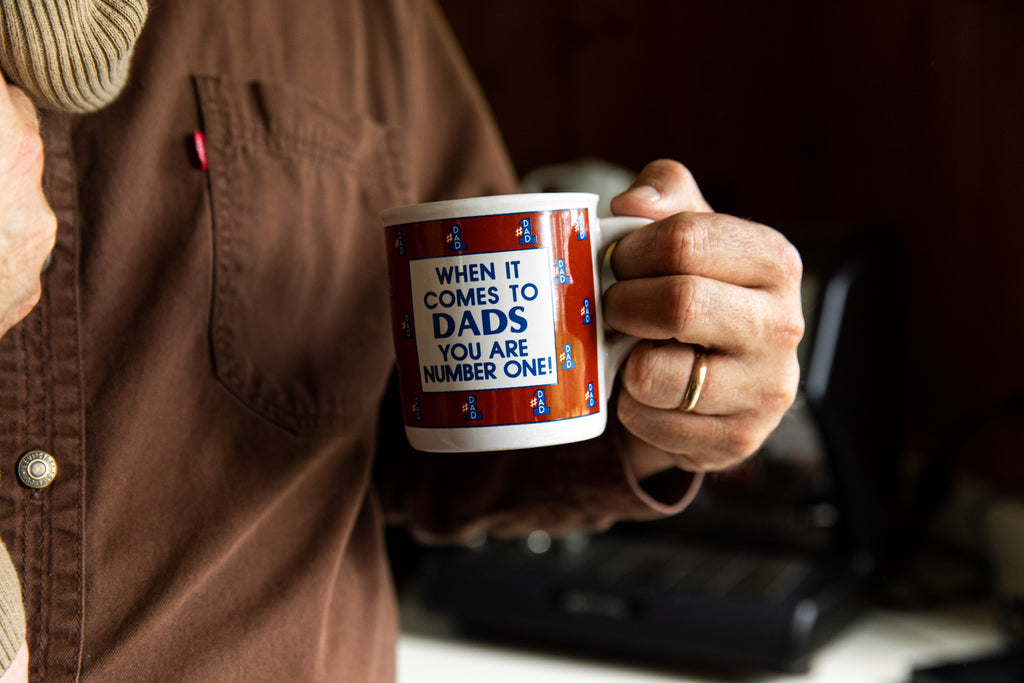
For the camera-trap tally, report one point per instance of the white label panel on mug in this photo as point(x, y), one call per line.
point(484, 321)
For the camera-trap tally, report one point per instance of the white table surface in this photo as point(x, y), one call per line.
point(880, 647)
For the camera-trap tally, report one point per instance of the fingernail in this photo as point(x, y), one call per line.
point(645, 192)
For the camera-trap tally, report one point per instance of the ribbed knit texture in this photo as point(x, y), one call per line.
point(69, 55)
point(12, 614)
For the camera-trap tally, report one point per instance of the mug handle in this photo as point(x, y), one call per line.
point(617, 346)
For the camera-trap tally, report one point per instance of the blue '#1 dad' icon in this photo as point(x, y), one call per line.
point(580, 226)
point(562, 273)
point(525, 232)
point(454, 238)
point(539, 405)
point(470, 409)
point(568, 363)
point(585, 312)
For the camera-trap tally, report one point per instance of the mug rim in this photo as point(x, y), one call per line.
point(471, 207)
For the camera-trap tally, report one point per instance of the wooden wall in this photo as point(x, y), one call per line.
point(809, 115)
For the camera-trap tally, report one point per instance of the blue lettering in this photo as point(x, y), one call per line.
point(492, 326)
point(459, 372)
point(444, 325)
point(468, 323)
point(519, 323)
point(471, 272)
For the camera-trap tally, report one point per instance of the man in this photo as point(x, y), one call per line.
point(190, 483)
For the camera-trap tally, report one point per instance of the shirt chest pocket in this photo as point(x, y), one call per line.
point(299, 325)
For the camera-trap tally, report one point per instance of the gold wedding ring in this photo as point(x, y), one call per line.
point(607, 261)
point(697, 376)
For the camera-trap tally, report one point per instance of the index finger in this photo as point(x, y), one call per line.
point(710, 245)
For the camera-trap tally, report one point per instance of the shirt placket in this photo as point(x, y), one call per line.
point(41, 409)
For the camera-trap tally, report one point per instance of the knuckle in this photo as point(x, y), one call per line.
point(685, 240)
point(29, 153)
point(21, 163)
point(643, 373)
point(688, 304)
point(742, 440)
point(790, 383)
point(674, 172)
point(47, 225)
point(628, 411)
point(790, 330)
point(790, 262)
point(30, 297)
point(778, 394)
point(35, 292)
point(41, 234)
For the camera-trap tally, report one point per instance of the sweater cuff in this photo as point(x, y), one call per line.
point(666, 493)
point(12, 613)
point(599, 478)
point(69, 55)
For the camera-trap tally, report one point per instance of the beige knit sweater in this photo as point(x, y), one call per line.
point(69, 55)
point(12, 614)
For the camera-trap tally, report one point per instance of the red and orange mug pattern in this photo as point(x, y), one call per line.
point(495, 319)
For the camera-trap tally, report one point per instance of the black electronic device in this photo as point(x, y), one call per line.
point(1006, 666)
point(774, 556)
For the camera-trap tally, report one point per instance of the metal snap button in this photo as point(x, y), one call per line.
point(37, 469)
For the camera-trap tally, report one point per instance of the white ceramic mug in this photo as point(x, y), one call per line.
point(496, 314)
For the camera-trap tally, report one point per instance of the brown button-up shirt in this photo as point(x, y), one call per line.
point(209, 357)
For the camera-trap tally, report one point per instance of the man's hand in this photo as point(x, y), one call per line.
point(28, 228)
point(17, 672)
point(697, 278)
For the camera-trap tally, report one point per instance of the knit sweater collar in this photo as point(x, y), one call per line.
point(69, 55)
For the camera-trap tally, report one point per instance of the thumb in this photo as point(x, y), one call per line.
point(663, 188)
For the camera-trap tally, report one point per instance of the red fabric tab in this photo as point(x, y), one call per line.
point(200, 145)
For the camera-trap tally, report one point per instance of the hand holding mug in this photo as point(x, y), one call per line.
point(488, 297)
point(690, 281)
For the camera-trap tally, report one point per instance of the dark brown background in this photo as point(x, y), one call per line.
point(808, 115)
